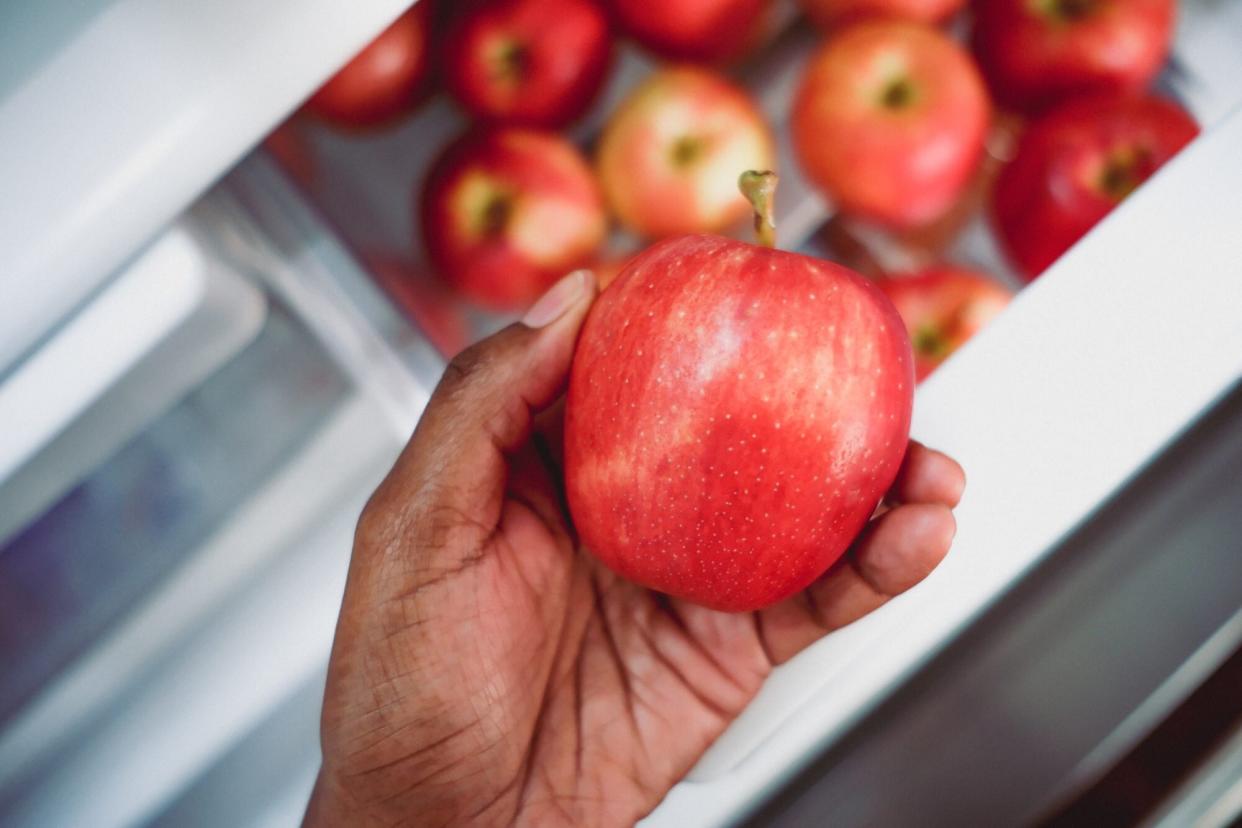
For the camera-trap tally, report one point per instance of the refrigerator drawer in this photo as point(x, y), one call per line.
point(1082, 381)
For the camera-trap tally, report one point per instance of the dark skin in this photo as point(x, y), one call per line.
point(487, 671)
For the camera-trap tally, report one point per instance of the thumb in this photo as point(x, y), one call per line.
point(451, 475)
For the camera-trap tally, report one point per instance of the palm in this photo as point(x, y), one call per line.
point(632, 687)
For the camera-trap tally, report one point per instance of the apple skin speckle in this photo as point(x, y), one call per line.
point(706, 458)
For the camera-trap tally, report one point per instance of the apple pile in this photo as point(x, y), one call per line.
point(666, 161)
point(513, 204)
point(891, 121)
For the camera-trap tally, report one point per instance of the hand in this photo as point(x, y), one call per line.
point(487, 671)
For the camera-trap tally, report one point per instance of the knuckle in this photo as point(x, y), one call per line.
point(506, 420)
point(467, 365)
point(438, 525)
point(481, 358)
point(434, 525)
point(374, 529)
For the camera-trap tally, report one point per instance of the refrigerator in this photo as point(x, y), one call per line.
point(217, 330)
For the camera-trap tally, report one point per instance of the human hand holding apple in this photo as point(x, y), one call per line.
point(468, 591)
point(527, 62)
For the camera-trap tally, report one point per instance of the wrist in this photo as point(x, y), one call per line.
point(331, 805)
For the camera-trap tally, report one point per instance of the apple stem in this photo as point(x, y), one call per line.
point(759, 187)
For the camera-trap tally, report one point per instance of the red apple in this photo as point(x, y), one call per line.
point(942, 308)
point(383, 80)
point(831, 13)
point(734, 415)
point(1074, 165)
point(506, 212)
point(890, 121)
point(530, 62)
point(712, 31)
point(669, 158)
point(1037, 53)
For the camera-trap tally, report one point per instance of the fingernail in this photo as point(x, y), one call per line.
point(560, 298)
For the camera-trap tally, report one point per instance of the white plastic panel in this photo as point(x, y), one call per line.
point(155, 332)
point(135, 722)
point(1207, 57)
point(138, 107)
point(247, 617)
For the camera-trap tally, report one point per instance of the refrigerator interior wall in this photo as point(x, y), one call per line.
point(86, 561)
point(156, 331)
point(149, 581)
